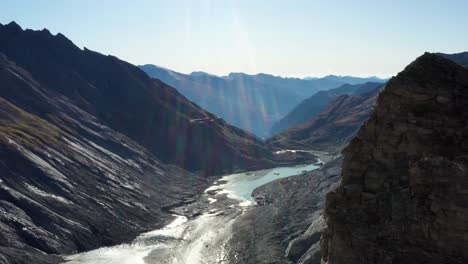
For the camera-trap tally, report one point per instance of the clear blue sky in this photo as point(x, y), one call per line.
point(287, 37)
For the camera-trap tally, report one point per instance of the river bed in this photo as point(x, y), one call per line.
point(203, 239)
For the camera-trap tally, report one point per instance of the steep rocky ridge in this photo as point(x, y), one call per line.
point(403, 194)
point(333, 128)
point(308, 109)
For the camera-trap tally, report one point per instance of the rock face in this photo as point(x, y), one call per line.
point(126, 100)
point(403, 196)
point(262, 98)
point(333, 128)
point(306, 247)
point(308, 109)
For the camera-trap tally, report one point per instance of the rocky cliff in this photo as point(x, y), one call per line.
point(403, 196)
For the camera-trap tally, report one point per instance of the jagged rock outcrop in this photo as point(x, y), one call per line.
point(403, 196)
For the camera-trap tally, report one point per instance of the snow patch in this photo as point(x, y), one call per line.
point(45, 194)
point(284, 151)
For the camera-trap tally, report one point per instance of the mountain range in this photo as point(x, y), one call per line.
point(262, 98)
point(93, 151)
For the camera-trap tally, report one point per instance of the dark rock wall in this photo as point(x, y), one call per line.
point(404, 191)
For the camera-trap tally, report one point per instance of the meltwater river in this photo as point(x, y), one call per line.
point(199, 240)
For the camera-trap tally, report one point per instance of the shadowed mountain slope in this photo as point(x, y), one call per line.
point(308, 109)
point(123, 97)
point(333, 128)
point(70, 183)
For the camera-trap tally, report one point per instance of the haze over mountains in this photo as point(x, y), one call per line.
point(262, 99)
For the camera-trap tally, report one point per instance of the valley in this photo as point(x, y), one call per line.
point(264, 99)
point(195, 238)
point(112, 161)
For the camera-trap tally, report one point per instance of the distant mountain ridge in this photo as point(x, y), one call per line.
point(331, 129)
point(350, 79)
point(251, 102)
point(312, 106)
point(460, 58)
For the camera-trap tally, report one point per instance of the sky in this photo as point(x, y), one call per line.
point(296, 38)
